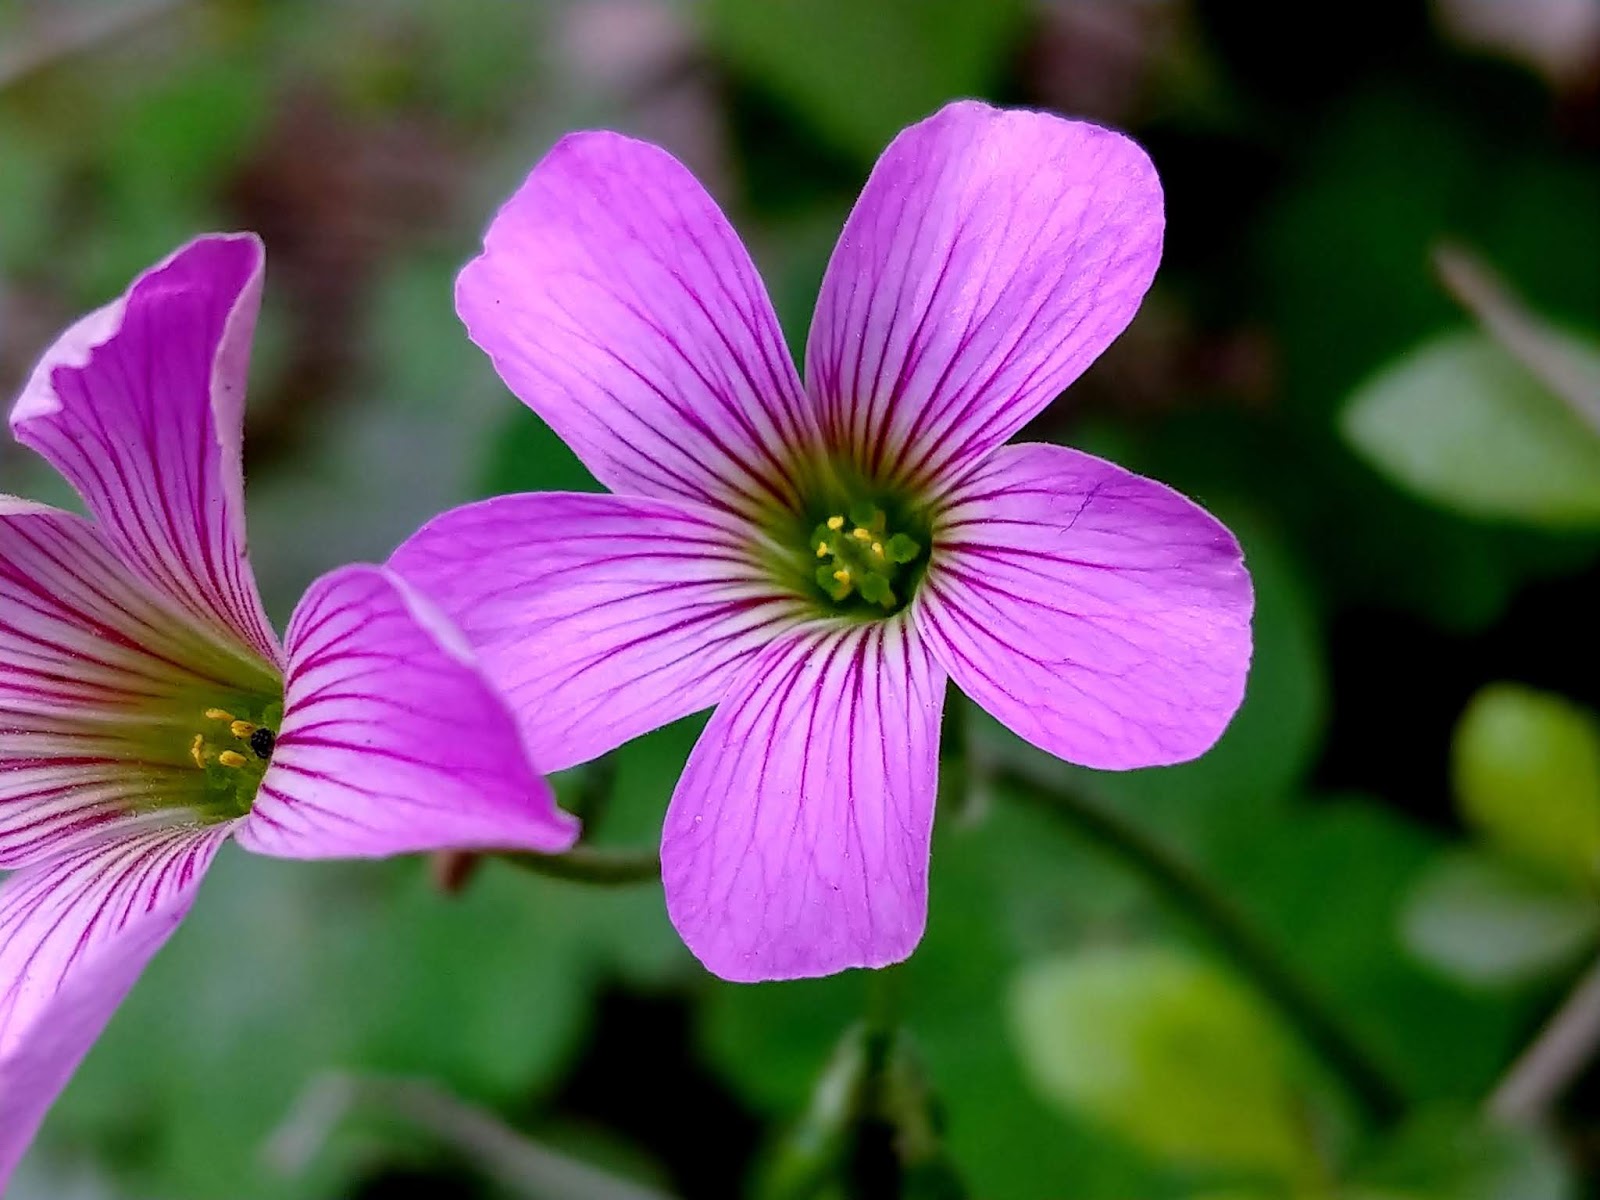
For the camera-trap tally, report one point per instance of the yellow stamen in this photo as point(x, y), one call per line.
point(822, 549)
point(861, 534)
point(835, 522)
point(877, 548)
point(242, 729)
point(218, 714)
point(195, 748)
point(232, 758)
point(842, 575)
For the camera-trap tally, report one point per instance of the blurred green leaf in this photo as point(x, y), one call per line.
point(526, 455)
point(860, 72)
point(1342, 256)
point(1445, 1154)
point(1169, 1051)
point(29, 190)
point(1526, 769)
point(1488, 922)
point(285, 970)
point(1464, 424)
point(1008, 882)
point(1327, 882)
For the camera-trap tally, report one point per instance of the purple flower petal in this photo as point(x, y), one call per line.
point(618, 303)
point(797, 840)
point(88, 653)
point(141, 406)
point(991, 257)
point(75, 934)
point(599, 617)
point(392, 740)
point(1099, 614)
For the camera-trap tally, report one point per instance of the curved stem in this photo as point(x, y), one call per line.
point(1195, 898)
point(586, 864)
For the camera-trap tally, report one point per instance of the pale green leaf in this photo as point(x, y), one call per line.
point(1169, 1051)
point(1460, 422)
point(1485, 921)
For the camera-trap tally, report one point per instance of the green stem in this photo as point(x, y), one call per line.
point(1192, 896)
point(586, 864)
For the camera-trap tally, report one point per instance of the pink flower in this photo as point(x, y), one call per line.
point(816, 561)
point(147, 710)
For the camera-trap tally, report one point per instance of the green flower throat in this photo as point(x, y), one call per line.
point(863, 558)
point(854, 549)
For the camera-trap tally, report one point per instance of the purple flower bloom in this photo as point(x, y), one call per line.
point(816, 561)
point(147, 710)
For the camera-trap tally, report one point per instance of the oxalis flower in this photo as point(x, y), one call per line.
point(147, 711)
point(817, 561)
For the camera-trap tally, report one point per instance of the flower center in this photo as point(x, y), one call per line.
point(850, 546)
point(231, 748)
point(233, 753)
point(201, 746)
point(860, 557)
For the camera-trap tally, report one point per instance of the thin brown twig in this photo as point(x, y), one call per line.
point(1474, 285)
point(524, 1167)
point(1545, 1070)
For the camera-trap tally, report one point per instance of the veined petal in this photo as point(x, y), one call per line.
point(797, 840)
point(600, 617)
point(141, 406)
point(392, 740)
point(75, 934)
point(90, 657)
point(990, 259)
point(617, 303)
point(1099, 614)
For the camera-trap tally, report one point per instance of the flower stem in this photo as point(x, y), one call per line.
point(1555, 1059)
point(1195, 898)
point(588, 864)
point(524, 1167)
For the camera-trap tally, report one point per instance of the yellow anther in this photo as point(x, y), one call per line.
point(822, 549)
point(195, 748)
point(861, 534)
point(232, 758)
point(218, 714)
point(242, 729)
point(842, 575)
point(835, 522)
point(877, 548)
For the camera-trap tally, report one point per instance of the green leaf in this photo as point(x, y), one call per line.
point(30, 187)
point(860, 72)
point(1463, 424)
point(1009, 882)
point(1486, 922)
point(285, 970)
point(1526, 770)
point(1444, 1154)
point(1327, 882)
point(1169, 1051)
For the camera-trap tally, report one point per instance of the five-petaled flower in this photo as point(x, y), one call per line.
point(816, 561)
point(148, 712)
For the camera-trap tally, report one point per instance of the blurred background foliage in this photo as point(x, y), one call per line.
point(1372, 349)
